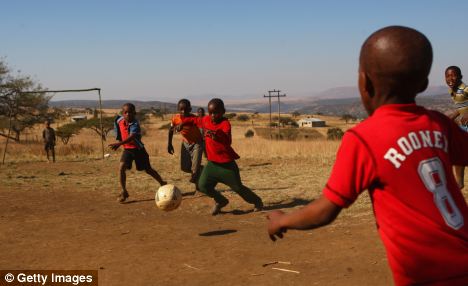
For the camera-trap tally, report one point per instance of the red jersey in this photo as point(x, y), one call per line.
point(125, 129)
point(190, 133)
point(403, 155)
point(219, 150)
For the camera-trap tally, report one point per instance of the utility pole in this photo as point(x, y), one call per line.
point(275, 93)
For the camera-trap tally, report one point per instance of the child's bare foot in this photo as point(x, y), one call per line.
point(122, 197)
point(217, 208)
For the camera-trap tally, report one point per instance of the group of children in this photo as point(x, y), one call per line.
point(402, 154)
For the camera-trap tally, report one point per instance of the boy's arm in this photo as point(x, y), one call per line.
point(318, 213)
point(116, 145)
point(170, 148)
point(222, 135)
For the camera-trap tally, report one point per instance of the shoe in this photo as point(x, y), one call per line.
point(217, 208)
point(258, 207)
point(122, 197)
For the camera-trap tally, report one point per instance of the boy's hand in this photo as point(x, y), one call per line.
point(464, 119)
point(274, 226)
point(453, 114)
point(210, 134)
point(115, 146)
point(178, 127)
point(170, 149)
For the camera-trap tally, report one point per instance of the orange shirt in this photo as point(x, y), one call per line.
point(190, 133)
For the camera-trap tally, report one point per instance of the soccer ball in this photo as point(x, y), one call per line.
point(168, 197)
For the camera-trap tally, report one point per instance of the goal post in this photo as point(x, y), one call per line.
point(61, 91)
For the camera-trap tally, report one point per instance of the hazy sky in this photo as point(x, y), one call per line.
point(156, 50)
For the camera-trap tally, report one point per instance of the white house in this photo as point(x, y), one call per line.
point(311, 122)
point(77, 118)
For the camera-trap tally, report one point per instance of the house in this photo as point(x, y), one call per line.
point(311, 122)
point(77, 118)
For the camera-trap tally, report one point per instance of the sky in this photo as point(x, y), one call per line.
point(167, 50)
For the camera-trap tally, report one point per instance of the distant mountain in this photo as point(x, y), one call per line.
point(335, 101)
point(111, 104)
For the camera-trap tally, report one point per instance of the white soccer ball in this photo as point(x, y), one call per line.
point(168, 197)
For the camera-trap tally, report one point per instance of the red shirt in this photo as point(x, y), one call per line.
point(126, 129)
point(403, 154)
point(219, 150)
point(190, 133)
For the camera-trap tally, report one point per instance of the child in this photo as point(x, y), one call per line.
point(48, 134)
point(221, 166)
point(201, 114)
point(128, 134)
point(191, 148)
point(403, 155)
point(459, 93)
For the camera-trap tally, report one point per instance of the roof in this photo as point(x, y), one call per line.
point(312, 120)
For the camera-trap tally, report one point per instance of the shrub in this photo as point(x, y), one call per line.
point(249, 134)
point(243, 117)
point(230, 115)
point(334, 134)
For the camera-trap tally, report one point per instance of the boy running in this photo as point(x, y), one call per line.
point(406, 167)
point(221, 166)
point(128, 133)
point(459, 93)
point(192, 148)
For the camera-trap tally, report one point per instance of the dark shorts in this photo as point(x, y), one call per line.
point(140, 156)
point(49, 146)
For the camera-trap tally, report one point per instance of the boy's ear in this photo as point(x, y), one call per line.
point(365, 84)
point(424, 85)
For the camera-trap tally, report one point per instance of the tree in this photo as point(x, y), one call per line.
point(348, 117)
point(243, 117)
point(65, 132)
point(334, 134)
point(18, 109)
point(296, 114)
point(94, 124)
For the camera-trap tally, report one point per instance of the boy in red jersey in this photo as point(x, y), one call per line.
point(221, 166)
point(128, 134)
point(420, 211)
point(192, 144)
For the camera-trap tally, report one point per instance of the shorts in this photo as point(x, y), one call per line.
point(140, 156)
point(49, 146)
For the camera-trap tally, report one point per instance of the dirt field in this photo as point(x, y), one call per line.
point(65, 216)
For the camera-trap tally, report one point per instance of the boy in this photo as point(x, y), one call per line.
point(201, 114)
point(48, 135)
point(221, 166)
point(128, 134)
point(191, 149)
point(459, 93)
point(419, 210)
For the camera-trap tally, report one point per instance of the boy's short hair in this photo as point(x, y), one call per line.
point(184, 101)
point(399, 58)
point(130, 105)
point(218, 102)
point(455, 69)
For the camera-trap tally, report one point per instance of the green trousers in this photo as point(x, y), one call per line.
point(228, 174)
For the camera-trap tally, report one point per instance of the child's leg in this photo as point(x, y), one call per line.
point(123, 176)
point(153, 173)
point(196, 157)
point(185, 158)
point(46, 148)
point(231, 177)
point(207, 183)
point(53, 153)
point(459, 175)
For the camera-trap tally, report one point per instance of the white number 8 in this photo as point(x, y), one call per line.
point(432, 174)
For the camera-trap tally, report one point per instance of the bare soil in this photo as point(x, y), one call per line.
point(65, 216)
